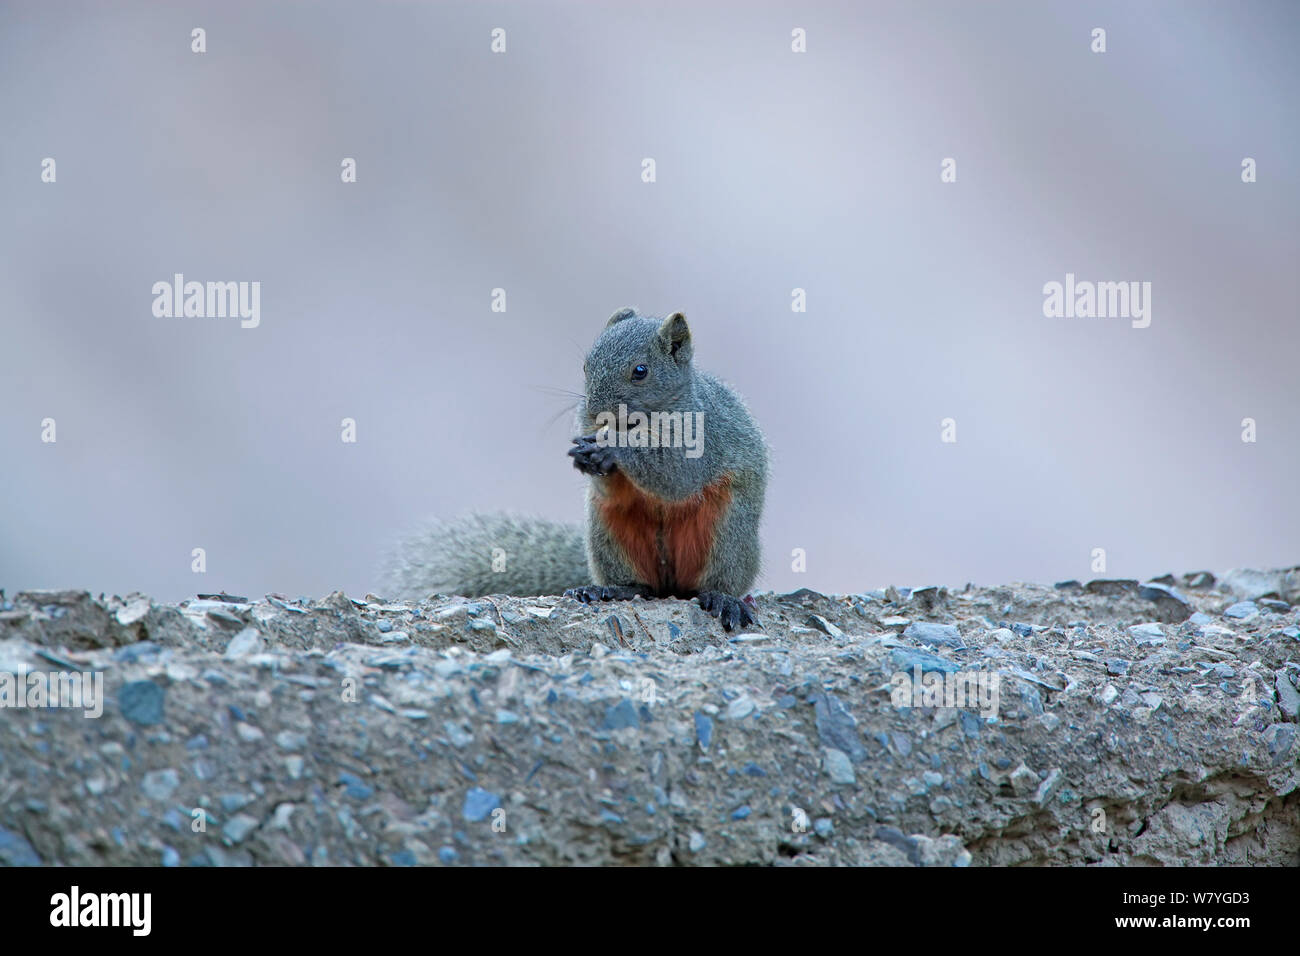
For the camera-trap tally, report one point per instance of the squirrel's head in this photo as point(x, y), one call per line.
point(641, 362)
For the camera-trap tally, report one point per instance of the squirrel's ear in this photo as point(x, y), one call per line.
point(619, 316)
point(675, 337)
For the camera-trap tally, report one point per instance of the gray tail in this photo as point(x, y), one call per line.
point(488, 554)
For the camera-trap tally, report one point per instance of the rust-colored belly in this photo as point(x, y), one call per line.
point(667, 542)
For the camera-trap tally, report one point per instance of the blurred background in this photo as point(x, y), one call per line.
point(522, 171)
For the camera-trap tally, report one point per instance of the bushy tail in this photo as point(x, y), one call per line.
point(531, 556)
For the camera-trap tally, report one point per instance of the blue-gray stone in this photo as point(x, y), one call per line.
point(238, 828)
point(170, 857)
point(740, 813)
point(1279, 738)
point(355, 787)
point(703, 729)
point(159, 784)
point(15, 850)
point(231, 802)
point(823, 827)
point(970, 724)
point(837, 727)
point(621, 715)
point(1118, 667)
point(838, 766)
point(141, 702)
point(909, 660)
point(402, 858)
point(1154, 591)
point(1241, 610)
point(1148, 634)
point(478, 804)
point(448, 855)
point(924, 632)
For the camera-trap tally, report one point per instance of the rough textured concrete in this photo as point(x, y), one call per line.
point(1137, 724)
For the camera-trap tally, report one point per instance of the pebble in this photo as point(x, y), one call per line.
point(459, 737)
point(1279, 738)
point(823, 625)
point(838, 766)
point(246, 642)
point(15, 850)
point(703, 730)
point(908, 660)
point(836, 727)
point(160, 784)
point(740, 708)
point(696, 842)
point(1023, 780)
point(141, 702)
point(1288, 699)
point(1048, 787)
point(1147, 635)
point(290, 740)
point(924, 632)
point(621, 716)
point(478, 804)
point(1242, 611)
point(355, 787)
point(238, 828)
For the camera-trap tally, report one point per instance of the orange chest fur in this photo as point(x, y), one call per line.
point(667, 542)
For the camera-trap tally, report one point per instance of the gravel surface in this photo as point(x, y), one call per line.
point(1133, 724)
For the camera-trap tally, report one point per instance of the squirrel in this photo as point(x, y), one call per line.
point(678, 470)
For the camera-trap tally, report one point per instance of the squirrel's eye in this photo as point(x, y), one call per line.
point(639, 373)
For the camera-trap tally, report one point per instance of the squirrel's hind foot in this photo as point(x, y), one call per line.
point(731, 611)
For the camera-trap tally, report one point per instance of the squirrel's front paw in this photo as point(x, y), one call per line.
point(731, 611)
point(591, 458)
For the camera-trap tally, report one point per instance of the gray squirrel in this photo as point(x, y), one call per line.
point(678, 470)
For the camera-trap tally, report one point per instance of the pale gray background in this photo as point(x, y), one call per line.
point(522, 171)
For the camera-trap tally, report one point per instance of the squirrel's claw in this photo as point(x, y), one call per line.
point(591, 458)
point(590, 593)
point(731, 611)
